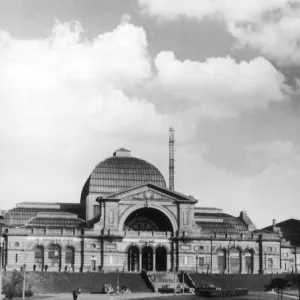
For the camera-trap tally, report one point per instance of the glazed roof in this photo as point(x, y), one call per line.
point(119, 172)
point(25, 211)
point(55, 219)
point(219, 223)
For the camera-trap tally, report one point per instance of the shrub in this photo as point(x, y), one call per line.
point(14, 286)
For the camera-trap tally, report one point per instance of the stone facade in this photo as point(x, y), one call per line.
point(144, 226)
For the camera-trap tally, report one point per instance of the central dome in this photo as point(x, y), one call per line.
point(122, 171)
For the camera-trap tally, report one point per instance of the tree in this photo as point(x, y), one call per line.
point(279, 284)
point(14, 287)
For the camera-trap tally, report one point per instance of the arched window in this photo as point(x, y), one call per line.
point(54, 256)
point(39, 256)
point(133, 258)
point(249, 261)
point(221, 261)
point(69, 256)
point(235, 260)
point(161, 259)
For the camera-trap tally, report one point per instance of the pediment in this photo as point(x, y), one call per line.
point(149, 192)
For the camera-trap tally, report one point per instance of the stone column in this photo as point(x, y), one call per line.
point(169, 263)
point(63, 260)
point(140, 261)
point(228, 262)
point(46, 257)
point(174, 257)
point(243, 268)
point(154, 260)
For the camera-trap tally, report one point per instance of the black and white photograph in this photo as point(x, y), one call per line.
point(150, 149)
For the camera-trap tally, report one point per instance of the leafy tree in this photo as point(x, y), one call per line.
point(14, 287)
point(279, 284)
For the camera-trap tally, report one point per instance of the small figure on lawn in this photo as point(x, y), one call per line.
point(76, 292)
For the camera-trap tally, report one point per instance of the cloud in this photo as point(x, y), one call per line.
point(64, 106)
point(234, 10)
point(220, 87)
point(67, 102)
point(277, 39)
point(277, 187)
point(272, 27)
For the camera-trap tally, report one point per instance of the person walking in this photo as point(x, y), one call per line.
point(76, 292)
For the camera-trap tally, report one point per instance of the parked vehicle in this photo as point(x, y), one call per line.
point(209, 290)
point(167, 288)
point(204, 288)
point(107, 289)
point(208, 286)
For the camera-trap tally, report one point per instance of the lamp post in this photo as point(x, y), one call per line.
point(118, 279)
point(174, 280)
point(228, 262)
point(24, 266)
point(1, 263)
point(211, 253)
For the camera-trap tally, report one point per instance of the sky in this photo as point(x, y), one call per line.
point(82, 78)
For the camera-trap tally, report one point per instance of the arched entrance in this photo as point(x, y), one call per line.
point(161, 259)
point(39, 256)
point(147, 258)
point(70, 256)
point(221, 261)
point(54, 256)
point(133, 259)
point(235, 261)
point(249, 261)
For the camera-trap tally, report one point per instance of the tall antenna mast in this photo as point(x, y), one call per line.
point(171, 158)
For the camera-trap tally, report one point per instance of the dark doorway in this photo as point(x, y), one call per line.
point(161, 259)
point(235, 261)
point(249, 262)
point(147, 259)
point(133, 259)
point(54, 256)
point(221, 261)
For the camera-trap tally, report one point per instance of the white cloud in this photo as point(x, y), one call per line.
point(271, 26)
point(63, 107)
point(277, 187)
point(273, 193)
point(278, 40)
point(220, 87)
point(234, 10)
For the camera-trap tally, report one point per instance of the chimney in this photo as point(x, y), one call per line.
point(171, 158)
point(274, 222)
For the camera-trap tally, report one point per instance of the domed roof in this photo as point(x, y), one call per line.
point(122, 171)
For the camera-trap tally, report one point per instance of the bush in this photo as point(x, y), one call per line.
point(14, 286)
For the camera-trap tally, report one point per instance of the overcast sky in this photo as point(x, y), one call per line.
point(81, 78)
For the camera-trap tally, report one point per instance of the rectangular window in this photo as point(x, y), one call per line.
point(185, 260)
point(201, 261)
point(185, 218)
point(16, 258)
point(96, 210)
point(270, 263)
point(111, 216)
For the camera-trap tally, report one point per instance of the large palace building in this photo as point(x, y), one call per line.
point(128, 219)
